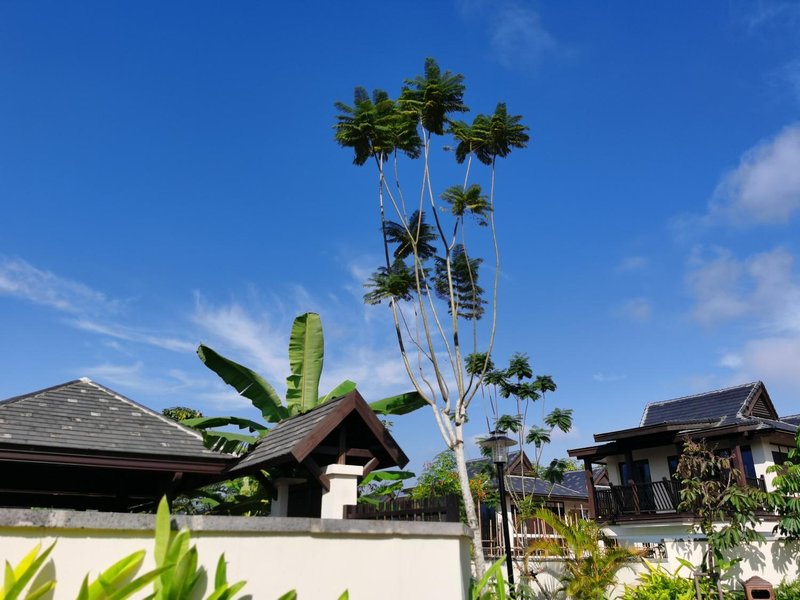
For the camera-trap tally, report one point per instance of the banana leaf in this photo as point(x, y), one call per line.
point(306, 351)
point(340, 390)
point(399, 405)
point(228, 441)
point(242, 423)
point(248, 383)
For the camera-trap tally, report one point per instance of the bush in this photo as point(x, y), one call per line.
point(788, 590)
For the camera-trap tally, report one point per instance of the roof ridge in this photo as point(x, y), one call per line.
point(38, 392)
point(143, 408)
point(757, 385)
point(781, 417)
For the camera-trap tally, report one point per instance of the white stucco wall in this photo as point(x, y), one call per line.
point(320, 558)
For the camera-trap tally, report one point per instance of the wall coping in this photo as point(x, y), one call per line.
point(23, 518)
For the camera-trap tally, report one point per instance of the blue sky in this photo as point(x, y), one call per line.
point(168, 176)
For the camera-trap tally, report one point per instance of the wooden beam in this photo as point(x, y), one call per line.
point(592, 498)
point(342, 459)
point(312, 466)
point(351, 452)
point(370, 466)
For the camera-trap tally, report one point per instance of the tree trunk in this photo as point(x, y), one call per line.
point(469, 505)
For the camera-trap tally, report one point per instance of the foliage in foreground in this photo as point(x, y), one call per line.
point(589, 562)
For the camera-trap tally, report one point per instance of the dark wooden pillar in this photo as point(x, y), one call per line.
point(590, 492)
point(738, 462)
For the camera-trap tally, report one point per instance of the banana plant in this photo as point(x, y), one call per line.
point(116, 583)
point(17, 578)
point(306, 356)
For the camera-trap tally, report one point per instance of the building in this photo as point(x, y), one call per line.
point(641, 500)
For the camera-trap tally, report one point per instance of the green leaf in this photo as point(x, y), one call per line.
point(116, 574)
point(228, 441)
point(24, 572)
point(290, 595)
point(306, 351)
point(248, 383)
point(399, 405)
point(242, 423)
point(41, 590)
point(340, 390)
point(163, 532)
point(345, 595)
point(386, 476)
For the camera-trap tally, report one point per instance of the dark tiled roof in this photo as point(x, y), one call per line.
point(295, 438)
point(540, 487)
point(791, 419)
point(720, 406)
point(282, 438)
point(83, 415)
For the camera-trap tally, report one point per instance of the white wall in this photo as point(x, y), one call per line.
point(320, 558)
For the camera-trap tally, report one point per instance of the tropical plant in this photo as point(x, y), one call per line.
point(17, 578)
point(116, 582)
point(492, 585)
point(788, 590)
point(589, 560)
point(659, 584)
point(785, 498)
point(181, 413)
point(429, 277)
point(725, 509)
point(306, 354)
point(379, 486)
point(180, 574)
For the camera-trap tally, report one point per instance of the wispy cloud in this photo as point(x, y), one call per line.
point(632, 263)
point(763, 291)
point(22, 280)
point(765, 187)
point(762, 287)
point(637, 309)
point(121, 332)
point(765, 13)
point(601, 377)
point(517, 35)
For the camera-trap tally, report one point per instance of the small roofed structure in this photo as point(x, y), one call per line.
point(82, 445)
point(318, 456)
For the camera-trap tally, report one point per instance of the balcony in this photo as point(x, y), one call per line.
point(645, 500)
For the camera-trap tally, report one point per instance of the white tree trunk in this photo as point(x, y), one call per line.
point(469, 505)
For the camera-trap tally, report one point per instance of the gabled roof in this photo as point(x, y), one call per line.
point(84, 415)
point(296, 438)
point(791, 419)
point(723, 406)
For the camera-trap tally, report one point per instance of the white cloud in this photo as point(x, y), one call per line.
point(632, 263)
point(132, 335)
point(638, 309)
point(730, 361)
point(264, 348)
point(762, 287)
point(601, 377)
point(21, 279)
point(765, 187)
point(516, 32)
point(772, 359)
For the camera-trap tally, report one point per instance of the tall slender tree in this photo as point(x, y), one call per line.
point(429, 278)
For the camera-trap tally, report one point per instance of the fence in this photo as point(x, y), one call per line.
point(443, 509)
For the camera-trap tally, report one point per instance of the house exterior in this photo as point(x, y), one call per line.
point(568, 499)
point(640, 502)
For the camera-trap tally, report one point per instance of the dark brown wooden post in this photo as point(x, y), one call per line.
point(738, 462)
point(590, 491)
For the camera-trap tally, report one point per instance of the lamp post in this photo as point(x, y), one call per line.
point(499, 444)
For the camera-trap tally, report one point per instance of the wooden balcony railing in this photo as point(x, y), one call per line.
point(651, 498)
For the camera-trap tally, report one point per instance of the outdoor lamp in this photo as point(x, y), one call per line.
point(499, 444)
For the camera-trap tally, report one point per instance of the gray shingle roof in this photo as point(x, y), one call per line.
point(282, 438)
point(791, 419)
point(83, 415)
point(722, 406)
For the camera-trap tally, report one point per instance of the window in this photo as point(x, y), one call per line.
point(672, 464)
point(641, 472)
point(748, 466)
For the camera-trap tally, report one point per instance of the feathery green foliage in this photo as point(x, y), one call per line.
point(589, 562)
